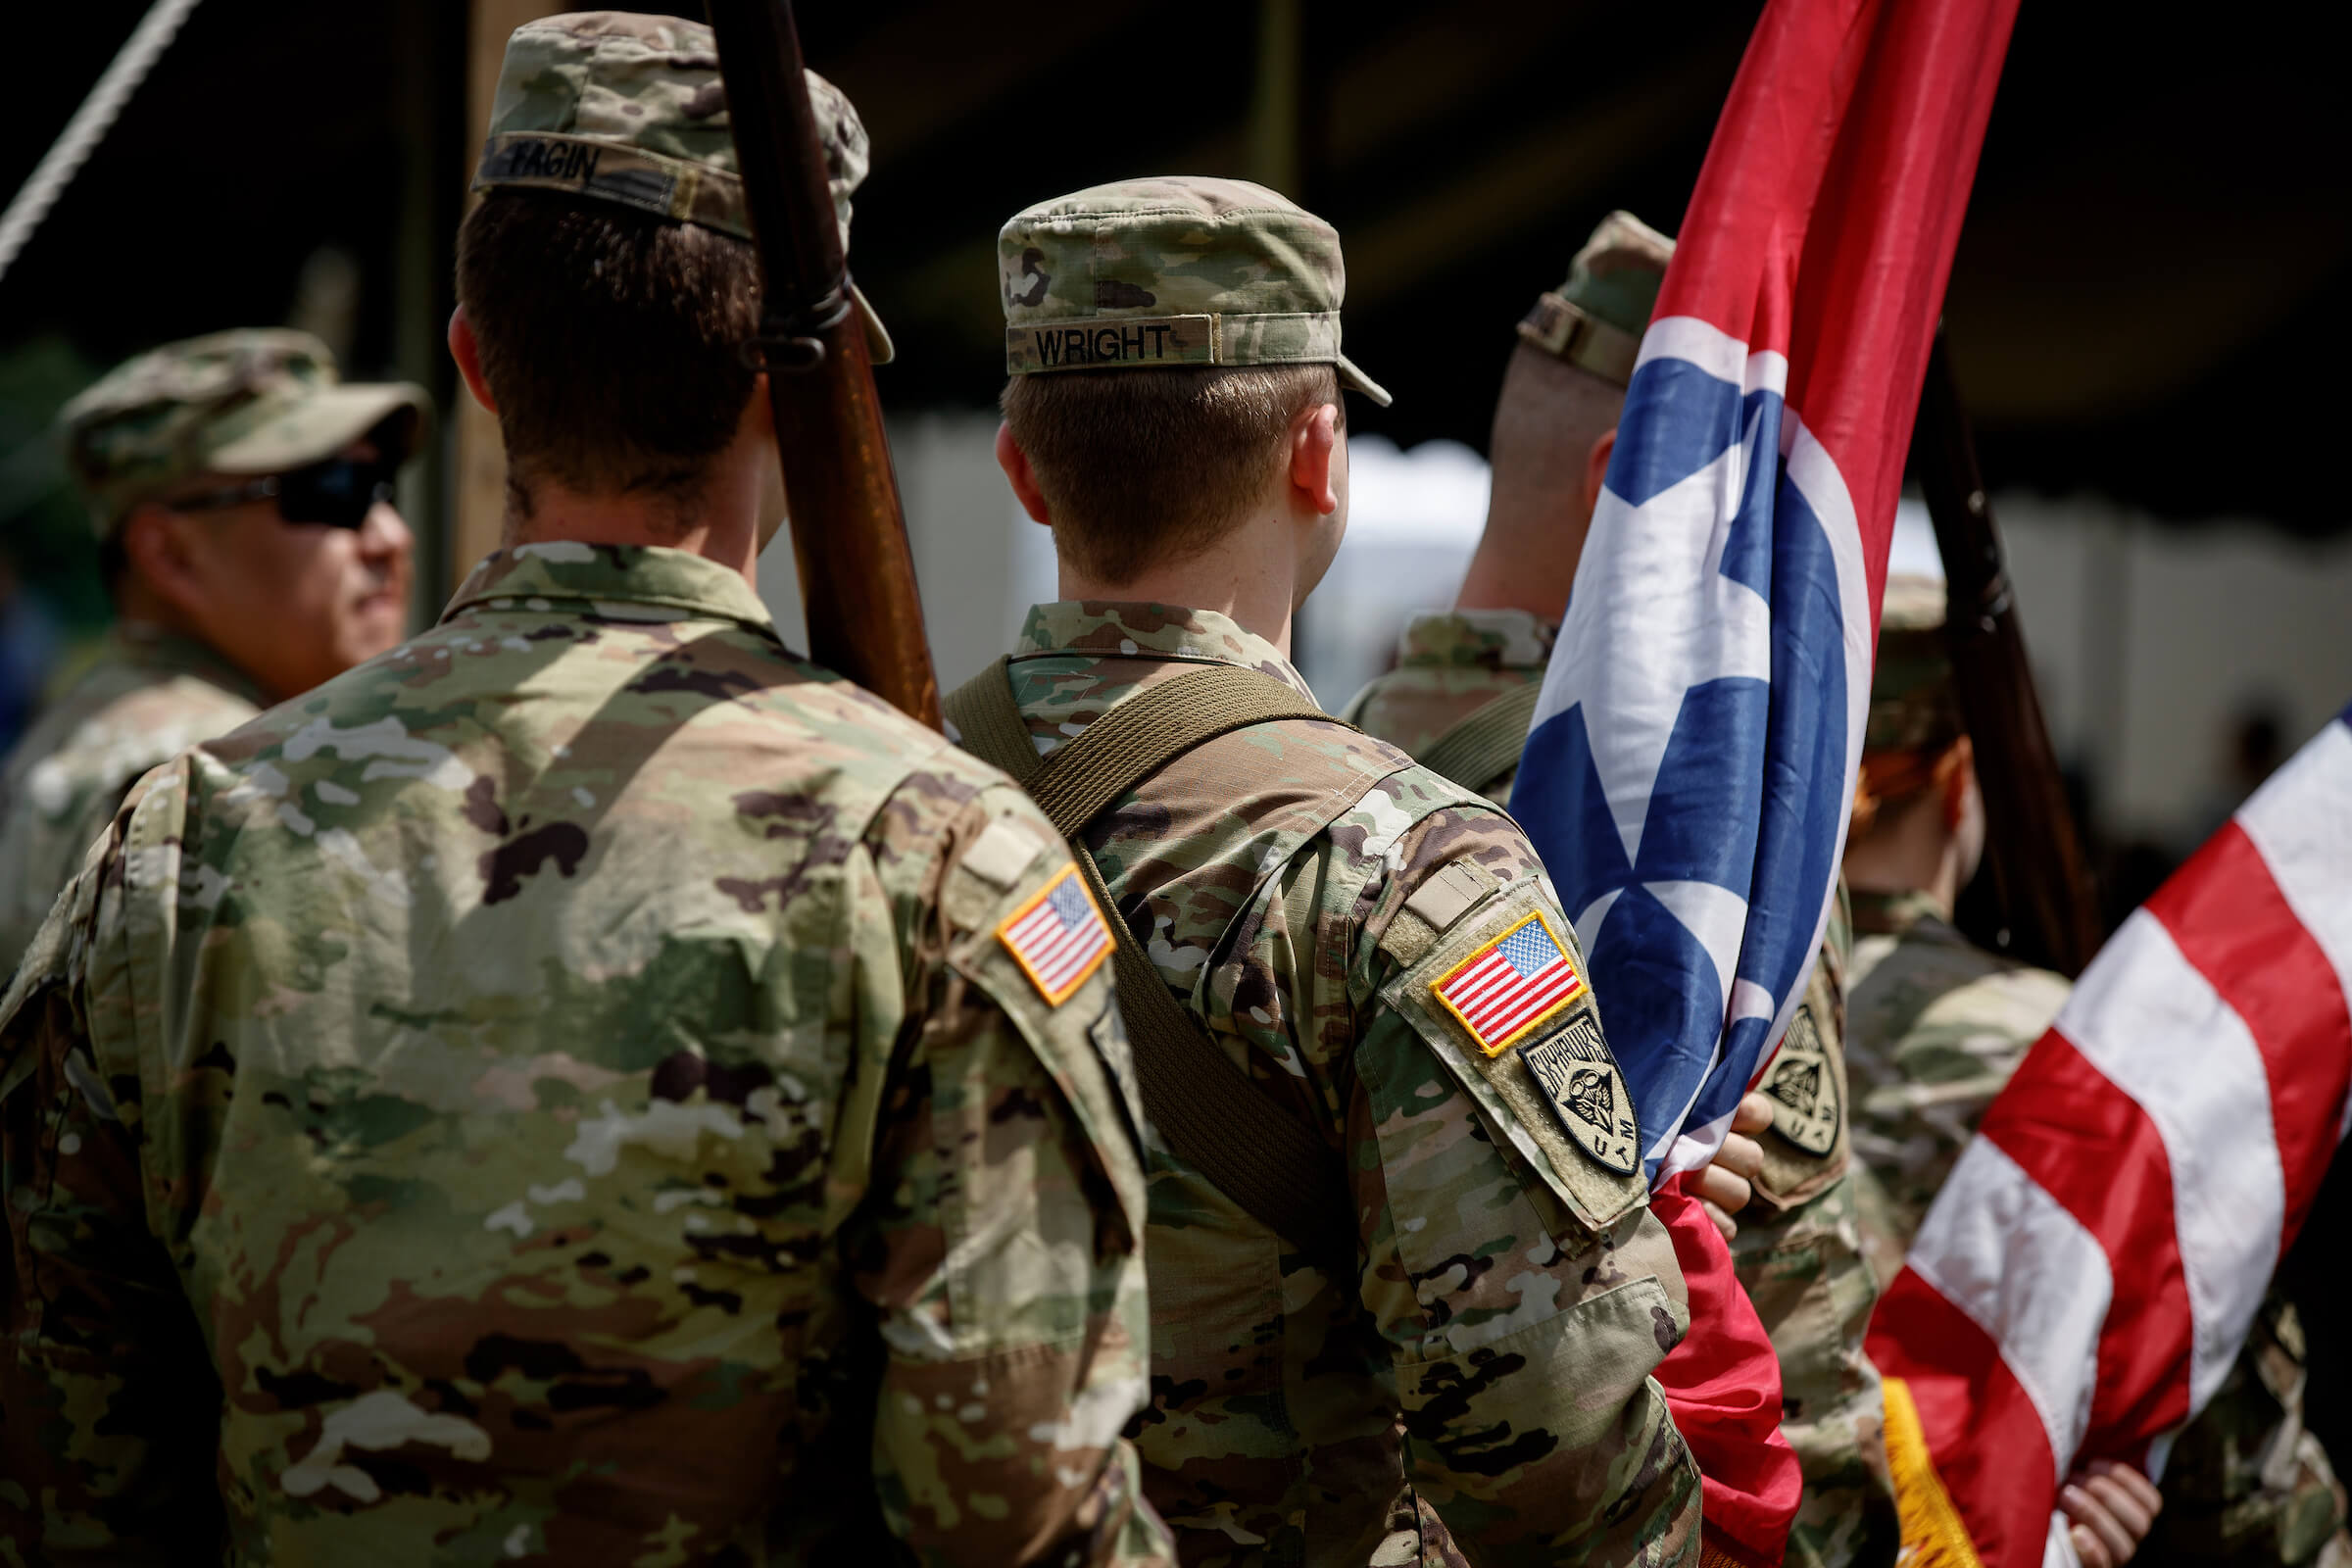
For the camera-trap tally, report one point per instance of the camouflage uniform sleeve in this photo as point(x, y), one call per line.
point(38, 855)
point(108, 1405)
point(2249, 1483)
point(1935, 1030)
point(1524, 1289)
point(999, 1245)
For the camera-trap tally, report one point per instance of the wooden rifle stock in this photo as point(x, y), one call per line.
point(849, 533)
point(2037, 867)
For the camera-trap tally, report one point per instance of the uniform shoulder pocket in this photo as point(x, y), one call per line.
point(1808, 1147)
point(1502, 999)
point(1037, 943)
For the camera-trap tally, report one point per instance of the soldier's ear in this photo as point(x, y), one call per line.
point(469, 353)
point(1314, 451)
point(1957, 773)
point(1023, 479)
point(774, 510)
point(161, 548)
point(1596, 469)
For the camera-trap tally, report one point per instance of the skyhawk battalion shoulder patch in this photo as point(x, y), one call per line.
point(1581, 1081)
point(1802, 1086)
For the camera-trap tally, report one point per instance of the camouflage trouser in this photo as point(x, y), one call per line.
point(1805, 1271)
point(2246, 1483)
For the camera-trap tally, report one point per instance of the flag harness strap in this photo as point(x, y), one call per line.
point(1485, 744)
point(1206, 1109)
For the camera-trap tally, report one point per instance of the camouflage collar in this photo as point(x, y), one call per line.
point(169, 653)
point(1477, 639)
point(614, 574)
point(1912, 912)
point(1097, 629)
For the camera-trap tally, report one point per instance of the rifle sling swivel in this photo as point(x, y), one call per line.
point(795, 345)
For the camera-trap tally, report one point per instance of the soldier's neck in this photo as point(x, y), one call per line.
point(1249, 575)
point(1914, 853)
point(718, 524)
point(139, 608)
point(1526, 558)
point(141, 614)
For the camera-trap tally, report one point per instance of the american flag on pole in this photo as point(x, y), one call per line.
point(1057, 937)
point(2090, 1268)
point(1691, 764)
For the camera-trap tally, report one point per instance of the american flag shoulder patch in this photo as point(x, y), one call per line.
point(1515, 982)
point(1057, 937)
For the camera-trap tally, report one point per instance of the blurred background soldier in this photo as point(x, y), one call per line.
point(1555, 426)
point(1935, 1028)
point(587, 1087)
point(1461, 697)
point(1365, 954)
point(242, 497)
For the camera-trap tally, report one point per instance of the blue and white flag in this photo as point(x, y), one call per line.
point(1692, 765)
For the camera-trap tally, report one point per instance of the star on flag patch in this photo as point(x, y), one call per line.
point(1512, 984)
point(1057, 937)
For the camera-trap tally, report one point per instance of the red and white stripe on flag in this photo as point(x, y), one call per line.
point(2089, 1271)
point(1057, 937)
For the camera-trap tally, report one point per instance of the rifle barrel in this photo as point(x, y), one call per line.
point(2037, 860)
point(849, 530)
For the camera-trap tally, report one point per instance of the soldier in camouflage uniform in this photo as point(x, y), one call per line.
point(1797, 1245)
point(237, 581)
point(1936, 1027)
point(1938, 1024)
point(557, 1093)
point(1470, 1374)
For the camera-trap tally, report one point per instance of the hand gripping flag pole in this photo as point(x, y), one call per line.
point(2088, 1273)
point(1691, 764)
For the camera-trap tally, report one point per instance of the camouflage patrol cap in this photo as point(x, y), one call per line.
point(628, 108)
point(1596, 319)
point(253, 401)
point(1173, 271)
point(1914, 702)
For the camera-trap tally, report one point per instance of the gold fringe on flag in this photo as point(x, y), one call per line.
point(1933, 1535)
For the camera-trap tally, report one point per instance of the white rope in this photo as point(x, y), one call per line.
point(90, 124)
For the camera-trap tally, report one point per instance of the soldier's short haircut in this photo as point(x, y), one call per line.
point(611, 341)
point(1140, 467)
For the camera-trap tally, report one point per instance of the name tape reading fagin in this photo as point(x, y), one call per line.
point(668, 186)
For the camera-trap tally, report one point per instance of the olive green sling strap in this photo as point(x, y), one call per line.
point(1204, 1106)
point(1485, 744)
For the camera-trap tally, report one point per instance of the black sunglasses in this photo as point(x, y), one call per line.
point(339, 492)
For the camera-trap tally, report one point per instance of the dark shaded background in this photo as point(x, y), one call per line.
point(2142, 304)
